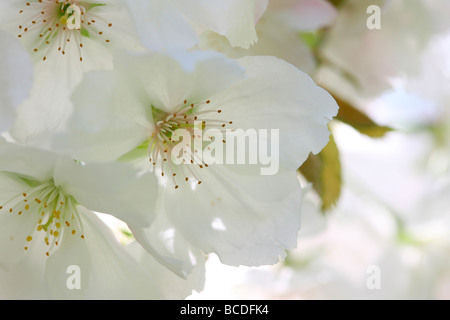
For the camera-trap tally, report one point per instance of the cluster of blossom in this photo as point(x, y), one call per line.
point(92, 95)
point(388, 236)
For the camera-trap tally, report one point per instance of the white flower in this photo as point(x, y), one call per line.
point(279, 32)
point(47, 227)
point(167, 25)
point(232, 210)
point(15, 78)
point(67, 27)
point(65, 38)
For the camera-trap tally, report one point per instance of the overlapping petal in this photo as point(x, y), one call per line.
point(235, 211)
point(233, 19)
point(15, 78)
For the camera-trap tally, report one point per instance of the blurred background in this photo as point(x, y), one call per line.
point(376, 214)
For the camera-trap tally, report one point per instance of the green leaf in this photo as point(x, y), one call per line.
point(358, 120)
point(324, 172)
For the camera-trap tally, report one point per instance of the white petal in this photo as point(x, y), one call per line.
point(288, 47)
point(168, 84)
point(276, 95)
point(234, 19)
point(8, 14)
point(121, 33)
point(49, 107)
point(278, 32)
point(113, 110)
point(14, 228)
point(261, 7)
point(111, 117)
point(109, 188)
point(170, 25)
point(171, 286)
point(161, 26)
point(163, 79)
point(27, 161)
point(214, 75)
point(25, 281)
point(106, 270)
point(244, 219)
point(304, 15)
point(15, 78)
point(167, 245)
point(313, 220)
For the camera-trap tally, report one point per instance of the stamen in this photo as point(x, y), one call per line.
point(56, 23)
point(188, 116)
point(49, 206)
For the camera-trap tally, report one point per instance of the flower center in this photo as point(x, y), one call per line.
point(55, 214)
point(192, 120)
point(72, 15)
point(60, 25)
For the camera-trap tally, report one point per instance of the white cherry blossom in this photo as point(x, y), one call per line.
point(232, 210)
point(47, 227)
point(65, 39)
